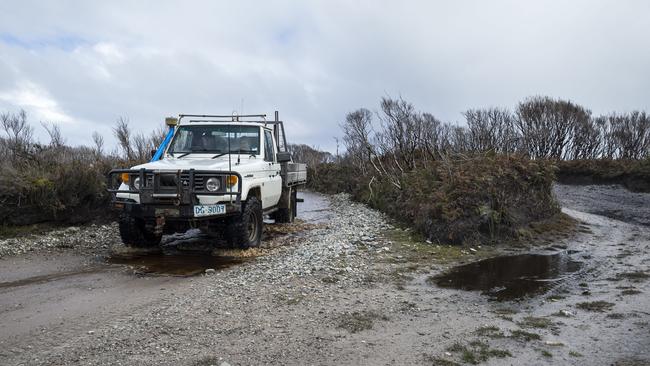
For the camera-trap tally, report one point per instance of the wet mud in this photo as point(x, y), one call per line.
point(47, 278)
point(174, 264)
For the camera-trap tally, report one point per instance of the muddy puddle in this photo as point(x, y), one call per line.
point(512, 277)
point(174, 264)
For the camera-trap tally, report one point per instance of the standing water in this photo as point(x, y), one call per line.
point(315, 209)
point(510, 277)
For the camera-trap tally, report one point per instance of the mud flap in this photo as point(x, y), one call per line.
point(285, 198)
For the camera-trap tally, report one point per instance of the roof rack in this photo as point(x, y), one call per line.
point(252, 118)
point(278, 130)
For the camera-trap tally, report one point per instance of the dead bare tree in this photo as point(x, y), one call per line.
point(459, 140)
point(54, 131)
point(546, 125)
point(311, 156)
point(401, 132)
point(631, 134)
point(433, 137)
point(122, 133)
point(608, 144)
point(357, 133)
point(491, 129)
point(98, 140)
point(587, 141)
point(141, 147)
point(19, 133)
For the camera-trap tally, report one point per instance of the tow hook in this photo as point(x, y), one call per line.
point(160, 224)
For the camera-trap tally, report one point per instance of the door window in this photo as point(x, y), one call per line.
point(268, 146)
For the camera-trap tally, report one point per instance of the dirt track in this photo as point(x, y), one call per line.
point(345, 288)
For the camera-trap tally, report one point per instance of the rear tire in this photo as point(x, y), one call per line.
point(245, 230)
point(135, 234)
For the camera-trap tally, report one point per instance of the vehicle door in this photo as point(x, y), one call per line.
point(272, 188)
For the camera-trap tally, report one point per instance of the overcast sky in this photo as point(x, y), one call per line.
point(84, 63)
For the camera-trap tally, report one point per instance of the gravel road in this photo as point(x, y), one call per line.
point(342, 287)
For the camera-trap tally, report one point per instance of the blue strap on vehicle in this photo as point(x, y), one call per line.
point(164, 144)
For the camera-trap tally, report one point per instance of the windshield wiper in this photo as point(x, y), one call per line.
point(218, 155)
point(184, 154)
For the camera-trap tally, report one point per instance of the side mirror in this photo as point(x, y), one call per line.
point(153, 152)
point(283, 157)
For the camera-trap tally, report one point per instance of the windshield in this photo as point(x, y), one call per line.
point(216, 139)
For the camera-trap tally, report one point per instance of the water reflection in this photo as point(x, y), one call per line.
point(510, 277)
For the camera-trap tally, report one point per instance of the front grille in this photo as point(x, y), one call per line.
point(168, 181)
point(198, 183)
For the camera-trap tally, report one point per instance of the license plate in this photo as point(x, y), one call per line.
point(209, 210)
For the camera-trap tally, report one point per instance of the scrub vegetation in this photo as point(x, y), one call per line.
point(485, 181)
point(56, 182)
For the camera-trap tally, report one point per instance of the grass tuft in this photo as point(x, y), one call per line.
point(535, 322)
point(359, 321)
point(477, 351)
point(490, 331)
point(525, 336)
point(596, 306)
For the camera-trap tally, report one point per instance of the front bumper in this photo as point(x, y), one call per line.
point(172, 194)
point(169, 212)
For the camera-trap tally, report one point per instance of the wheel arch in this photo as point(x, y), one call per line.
point(255, 191)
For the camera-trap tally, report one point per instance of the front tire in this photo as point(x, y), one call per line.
point(245, 230)
point(135, 234)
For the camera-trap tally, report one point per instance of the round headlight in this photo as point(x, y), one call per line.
point(213, 184)
point(136, 183)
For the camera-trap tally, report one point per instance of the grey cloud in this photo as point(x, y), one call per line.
point(316, 61)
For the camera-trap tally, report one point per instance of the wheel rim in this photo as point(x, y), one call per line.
point(252, 227)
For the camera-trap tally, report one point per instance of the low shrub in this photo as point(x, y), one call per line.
point(58, 183)
point(335, 178)
point(65, 186)
point(478, 199)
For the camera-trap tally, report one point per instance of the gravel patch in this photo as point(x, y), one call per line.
point(94, 237)
point(284, 281)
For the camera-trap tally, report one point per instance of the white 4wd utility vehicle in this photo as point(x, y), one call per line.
point(221, 174)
